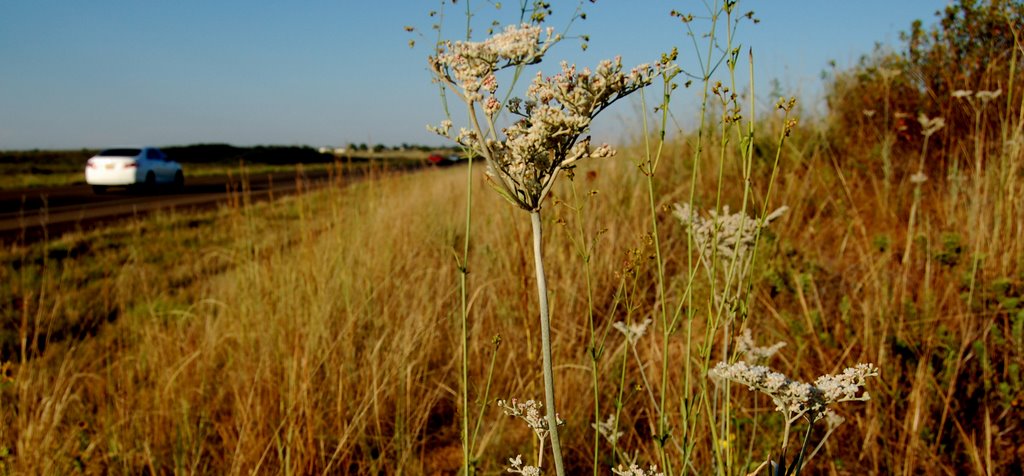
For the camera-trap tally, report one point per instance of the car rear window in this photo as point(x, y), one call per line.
point(120, 152)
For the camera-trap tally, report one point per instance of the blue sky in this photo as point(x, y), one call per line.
point(318, 72)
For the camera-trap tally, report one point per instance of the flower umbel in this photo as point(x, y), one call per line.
point(794, 398)
point(607, 429)
point(962, 94)
point(633, 332)
point(517, 467)
point(636, 470)
point(529, 412)
point(557, 111)
point(930, 126)
point(525, 157)
point(731, 236)
point(986, 96)
point(748, 350)
point(470, 64)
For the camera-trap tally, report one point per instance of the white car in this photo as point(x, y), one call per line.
point(132, 167)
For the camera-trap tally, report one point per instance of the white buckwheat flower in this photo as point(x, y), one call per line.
point(962, 93)
point(986, 96)
point(746, 348)
point(529, 412)
point(471, 65)
point(441, 130)
point(557, 111)
point(519, 468)
point(525, 157)
point(790, 397)
point(930, 126)
point(607, 429)
point(730, 235)
point(845, 387)
point(635, 470)
point(793, 398)
point(492, 106)
point(634, 331)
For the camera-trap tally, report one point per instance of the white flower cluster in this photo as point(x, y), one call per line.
point(607, 430)
point(525, 157)
point(529, 412)
point(519, 468)
point(471, 64)
point(634, 331)
point(794, 398)
point(746, 348)
point(983, 96)
point(636, 470)
point(731, 235)
point(930, 126)
point(557, 111)
point(845, 386)
point(986, 96)
point(963, 93)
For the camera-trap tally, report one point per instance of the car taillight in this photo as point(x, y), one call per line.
point(90, 165)
point(131, 165)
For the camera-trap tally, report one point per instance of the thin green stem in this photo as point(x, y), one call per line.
point(618, 403)
point(643, 375)
point(694, 407)
point(584, 251)
point(650, 165)
point(803, 448)
point(545, 337)
point(487, 392)
point(630, 307)
point(464, 337)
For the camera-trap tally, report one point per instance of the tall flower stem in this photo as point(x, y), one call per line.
point(545, 337)
point(464, 337)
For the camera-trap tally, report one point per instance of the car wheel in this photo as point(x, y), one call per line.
point(150, 184)
point(179, 181)
point(99, 189)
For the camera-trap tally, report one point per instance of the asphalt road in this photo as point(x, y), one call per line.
point(33, 214)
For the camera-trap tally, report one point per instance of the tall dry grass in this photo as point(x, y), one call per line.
point(330, 343)
point(337, 352)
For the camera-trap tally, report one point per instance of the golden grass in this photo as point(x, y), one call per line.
point(328, 343)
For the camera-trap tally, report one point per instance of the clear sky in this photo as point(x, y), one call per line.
point(331, 72)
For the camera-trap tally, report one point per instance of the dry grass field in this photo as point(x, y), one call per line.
point(320, 333)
